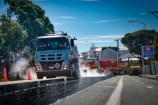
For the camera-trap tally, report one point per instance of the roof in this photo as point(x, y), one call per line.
point(113, 48)
point(97, 49)
point(122, 52)
point(125, 57)
point(123, 48)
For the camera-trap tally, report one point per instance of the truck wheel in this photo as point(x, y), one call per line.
point(76, 70)
point(39, 76)
point(136, 72)
point(73, 71)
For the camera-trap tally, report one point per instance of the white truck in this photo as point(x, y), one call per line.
point(56, 55)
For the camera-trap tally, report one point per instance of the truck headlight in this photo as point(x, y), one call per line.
point(65, 66)
point(37, 67)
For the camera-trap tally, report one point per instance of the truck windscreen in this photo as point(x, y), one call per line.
point(52, 43)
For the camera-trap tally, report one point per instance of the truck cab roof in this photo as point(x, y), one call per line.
point(55, 36)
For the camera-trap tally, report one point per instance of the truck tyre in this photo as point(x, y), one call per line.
point(73, 71)
point(136, 72)
point(39, 76)
point(77, 69)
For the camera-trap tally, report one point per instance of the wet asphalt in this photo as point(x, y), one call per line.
point(43, 92)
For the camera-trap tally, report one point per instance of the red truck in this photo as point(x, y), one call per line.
point(90, 63)
point(108, 65)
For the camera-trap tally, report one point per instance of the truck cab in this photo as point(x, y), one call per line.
point(56, 55)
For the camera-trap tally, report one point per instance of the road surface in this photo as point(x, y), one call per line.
point(119, 90)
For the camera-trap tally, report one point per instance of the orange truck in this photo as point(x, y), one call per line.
point(90, 63)
point(108, 65)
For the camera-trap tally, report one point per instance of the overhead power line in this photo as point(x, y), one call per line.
point(154, 13)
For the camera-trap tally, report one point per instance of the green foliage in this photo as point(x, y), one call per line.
point(156, 46)
point(1, 39)
point(6, 1)
point(22, 23)
point(134, 41)
point(12, 35)
point(32, 18)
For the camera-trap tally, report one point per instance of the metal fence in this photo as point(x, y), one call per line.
point(154, 69)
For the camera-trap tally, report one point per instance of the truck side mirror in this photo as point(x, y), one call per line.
point(72, 42)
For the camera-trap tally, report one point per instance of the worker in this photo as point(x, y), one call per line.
point(62, 45)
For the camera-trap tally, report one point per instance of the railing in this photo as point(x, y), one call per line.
point(154, 69)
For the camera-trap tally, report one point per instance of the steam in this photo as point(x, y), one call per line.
point(87, 72)
point(27, 53)
point(20, 68)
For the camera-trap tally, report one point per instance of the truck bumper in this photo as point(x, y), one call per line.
point(52, 74)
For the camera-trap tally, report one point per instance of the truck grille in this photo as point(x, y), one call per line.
point(56, 65)
point(50, 57)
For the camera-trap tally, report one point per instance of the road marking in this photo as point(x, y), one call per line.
point(150, 87)
point(141, 83)
point(115, 97)
point(105, 86)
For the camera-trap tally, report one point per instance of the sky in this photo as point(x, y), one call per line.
point(99, 22)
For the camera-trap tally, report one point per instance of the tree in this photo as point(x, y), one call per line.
point(1, 39)
point(134, 41)
point(6, 1)
point(31, 17)
point(156, 46)
point(12, 35)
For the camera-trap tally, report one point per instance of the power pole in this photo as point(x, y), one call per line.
point(117, 40)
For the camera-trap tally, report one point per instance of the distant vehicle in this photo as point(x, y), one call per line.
point(91, 63)
point(56, 55)
point(122, 68)
point(108, 65)
point(134, 68)
point(108, 60)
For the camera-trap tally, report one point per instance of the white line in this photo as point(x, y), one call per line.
point(149, 87)
point(141, 83)
point(105, 86)
point(115, 97)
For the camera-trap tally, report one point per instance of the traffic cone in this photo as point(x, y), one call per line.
point(29, 74)
point(5, 76)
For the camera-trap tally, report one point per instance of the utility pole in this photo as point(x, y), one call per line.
point(117, 40)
